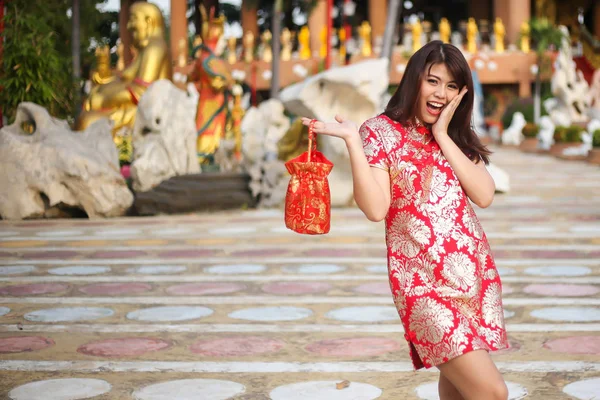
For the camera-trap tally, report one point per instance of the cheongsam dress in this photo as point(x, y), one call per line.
point(441, 272)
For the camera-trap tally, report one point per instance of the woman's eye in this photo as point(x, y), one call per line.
point(453, 87)
point(432, 81)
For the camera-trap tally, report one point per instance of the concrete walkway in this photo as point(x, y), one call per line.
point(234, 306)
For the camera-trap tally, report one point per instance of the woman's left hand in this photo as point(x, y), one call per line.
point(441, 125)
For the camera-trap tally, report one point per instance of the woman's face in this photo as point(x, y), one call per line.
point(438, 88)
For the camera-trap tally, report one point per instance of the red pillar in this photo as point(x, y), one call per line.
point(329, 29)
point(1, 44)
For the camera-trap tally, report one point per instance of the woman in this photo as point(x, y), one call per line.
point(417, 165)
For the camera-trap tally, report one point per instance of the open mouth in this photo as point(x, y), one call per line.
point(434, 108)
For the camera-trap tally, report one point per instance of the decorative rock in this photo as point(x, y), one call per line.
point(68, 314)
point(79, 270)
point(513, 134)
point(314, 269)
point(325, 390)
point(575, 345)
point(236, 346)
point(169, 313)
point(567, 314)
point(64, 168)
point(353, 347)
point(19, 344)
point(190, 389)
point(356, 92)
point(559, 270)
point(17, 269)
point(163, 137)
point(364, 314)
point(157, 269)
point(4, 311)
point(508, 314)
point(270, 314)
point(61, 389)
point(377, 269)
point(546, 134)
point(123, 347)
point(583, 390)
point(559, 289)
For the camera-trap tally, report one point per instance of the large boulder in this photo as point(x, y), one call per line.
point(45, 167)
point(164, 136)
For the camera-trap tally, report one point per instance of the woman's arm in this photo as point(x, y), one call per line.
point(371, 185)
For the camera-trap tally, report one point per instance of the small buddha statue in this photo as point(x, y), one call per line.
point(231, 50)
point(196, 44)
point(102, 74)
point(342, 50)
point(323, 46)
point(267, 50)
point(417, 30)
point(445, 30)
point(248, 42)
point(499, 33)
point(237, 114)
point(118, 98)
point(364, 31)
point(120, 56)
point(304, 43)
point(525, 37)
point(181, 56)
point(286, 44)
point(472, 36)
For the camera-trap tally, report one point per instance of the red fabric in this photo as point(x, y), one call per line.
point(308, 199)
point(441, 272)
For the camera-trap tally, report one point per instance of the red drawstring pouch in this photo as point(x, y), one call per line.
point(308, 199)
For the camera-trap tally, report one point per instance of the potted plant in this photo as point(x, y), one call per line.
point(564, 138)
point(594, 155)
point(530, 141)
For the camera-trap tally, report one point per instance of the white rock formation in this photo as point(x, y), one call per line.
point(594, 96)
point(593, 125)
point(53, 167)
point(546, 134)
point(262, 128)
point(164, 136)
point(355, 92)
point(513, 135)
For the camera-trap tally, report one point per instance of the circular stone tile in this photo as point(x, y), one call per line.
point(8, 233)
point(508, 314)
point(313, 269)
point(364, 314)
point(233, 269)
point(374, 288)
point(282, 313)
point(559, 270)
point(559, 289)
point(68, 314)
point(236, 346)
point(585, 229)
point(157, 269)
point(233, 230)
point(325, 390)
point(534, 229)
point(503, 271)
point(4, 311)
point(567, 314)
point(79, 270)
point(199, 289)
point(33, 289)
point(292, 288)
point(123, 347)
point(506, 289)
point(353, 347)
point(169, 313)
point(190, 389)
point(586, 389)
point(113, 289)
point(18, 344)
point(429, 391)
point(118, 232)
point(60, 233)
point(172, 231)
point(61, 389)
point(575, 345)
point(17, 269)
point(377, 269)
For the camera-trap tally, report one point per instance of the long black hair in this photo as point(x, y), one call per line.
point(402, 107)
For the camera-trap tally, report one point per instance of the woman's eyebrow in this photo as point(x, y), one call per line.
point(438, 78)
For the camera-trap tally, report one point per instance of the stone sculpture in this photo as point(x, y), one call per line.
point(513, 135)
point(594, 96)
point(47, 170)
point(546, 134)
point(164, 136)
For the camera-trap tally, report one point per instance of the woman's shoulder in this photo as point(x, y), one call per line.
point(383, 123)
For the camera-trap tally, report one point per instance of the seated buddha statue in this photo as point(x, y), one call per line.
point(117, 99)
point(212, 77)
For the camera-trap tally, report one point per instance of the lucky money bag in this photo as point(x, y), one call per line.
point(308, 199)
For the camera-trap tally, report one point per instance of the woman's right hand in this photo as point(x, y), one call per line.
point(343, 128)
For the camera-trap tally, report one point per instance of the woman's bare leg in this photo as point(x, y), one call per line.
point(447, 390)
point(475, 376)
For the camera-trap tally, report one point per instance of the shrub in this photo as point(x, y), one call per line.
point(531, 130)
point(573, 134)
point(596, 138)
point(560, 134)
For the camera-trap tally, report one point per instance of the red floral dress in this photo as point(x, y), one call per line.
point(441, 272)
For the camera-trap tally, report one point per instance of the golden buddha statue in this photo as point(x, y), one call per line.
point(120, 56)
point(343, 50)
point(323, 47)
point(102, 74)
point(237, 114)
point(267, 51)
point(231, 50)
point(364, 31)
point(499, 33)
point(472, 36)
point(196, 45)
point(525, 37)
point(118, 98)
point(286, 44)
point(417, 30)
point(212, 77)
point(304, 43)
point(181, 56)
point(248, 42)
point(445, 30)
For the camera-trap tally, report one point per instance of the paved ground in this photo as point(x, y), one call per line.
point(234, 306)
